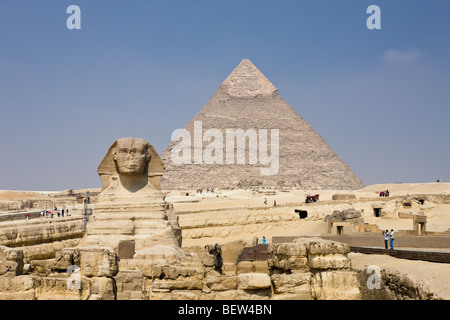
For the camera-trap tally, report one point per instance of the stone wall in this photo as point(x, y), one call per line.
point(306, 269)
point(38, 231)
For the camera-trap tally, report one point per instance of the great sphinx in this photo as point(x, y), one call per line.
point(131, 206)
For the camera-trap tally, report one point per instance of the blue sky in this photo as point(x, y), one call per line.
point(380, 98)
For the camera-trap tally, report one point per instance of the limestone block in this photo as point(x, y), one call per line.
point(130, 280)
point(336, 285)
point(160, 252)
point(96, 261)
point(63, 287)
point(181, 283)
point(11, 261)
point(222, 295)
point(300, 295)
point(63, 260)
point(102, 288)
point(253, 281)
point(221, 283)
point(288, 249)
point(229, 268)
point(288, 256)
point(43, 267)
point(213, 256)
point(145, 266)
point(160, 294)
point(173, 272)
point(252, 266)
point(185, 294)
point(288, 263)
point(24, 295)
point(325, 247)
point(331, 261)
point(294, 283)
point(261, 294)
point(11, 283)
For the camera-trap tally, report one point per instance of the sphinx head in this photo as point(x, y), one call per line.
point(134, 162)
point(132, 156)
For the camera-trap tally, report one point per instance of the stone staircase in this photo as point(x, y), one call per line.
point(424, 255)
point(256, 253)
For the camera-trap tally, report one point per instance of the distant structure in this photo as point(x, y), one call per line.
point(247, 100)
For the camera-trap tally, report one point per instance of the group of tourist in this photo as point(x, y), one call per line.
point(50, 214)
point(388, 238)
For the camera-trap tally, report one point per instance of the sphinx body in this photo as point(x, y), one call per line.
point(131, 206)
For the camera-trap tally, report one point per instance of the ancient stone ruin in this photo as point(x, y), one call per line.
point(249, 102)
point(131, 249)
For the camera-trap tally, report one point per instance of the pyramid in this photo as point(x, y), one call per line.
point(281, 148)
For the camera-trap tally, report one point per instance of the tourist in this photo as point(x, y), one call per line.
point(62, 213)
point(274, 203)
point(42, 214)
point(391, 236)
point(28, 216)
point(265, 201)
point(386, 238)
point(264, 240)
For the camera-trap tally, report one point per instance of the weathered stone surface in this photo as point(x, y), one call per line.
point(129, 280)
point(336, 285)
point(103, 288)
point(252, 266)
point(326, 262)
point(63, 287)
point(287, 257)
point(253, 281)
point(96, 261)
point(345, 215)
point(213, 256)
point(160, 252)
point(11, 261)
point(298, 283)
point(221, 282)
point(181, 283)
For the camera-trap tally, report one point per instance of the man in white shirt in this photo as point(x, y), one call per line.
point(386, 238)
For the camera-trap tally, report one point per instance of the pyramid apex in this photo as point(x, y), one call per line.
point(246, 81)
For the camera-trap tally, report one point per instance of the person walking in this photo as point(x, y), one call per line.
point(386, 238)
point(265, 201)
point(391, 238)
point(264, 240)
point(274, 203)
point(28, 216)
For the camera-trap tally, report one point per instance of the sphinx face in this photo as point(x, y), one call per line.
point(132, 156)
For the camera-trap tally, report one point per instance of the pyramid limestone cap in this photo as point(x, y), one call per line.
point(246, 81)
